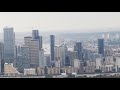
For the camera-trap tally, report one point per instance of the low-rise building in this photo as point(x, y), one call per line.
point(53, 70)
point(40, 71)
point(30, 71)
point(9, 70)
point(71, 70)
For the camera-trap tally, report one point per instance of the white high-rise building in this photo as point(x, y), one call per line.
point(42, 62)
point(98, 63)
point(34, 51)
point(9, 45)
point(76, 63)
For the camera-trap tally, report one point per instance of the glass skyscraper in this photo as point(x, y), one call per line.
point(52, 44)
point(101, 46)
point(9, 45)
point(35, 35)
point(78, 48)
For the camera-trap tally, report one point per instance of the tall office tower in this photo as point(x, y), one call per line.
point(25, 52)
point(1, 58)
point(9, 45)
point(33, 45)
point(19, 63)
point(78, 48)
point(67, 60)
point(52, 44)
point(18, 49)
point(72, 55)
point(47, 59)
point(101, 46)
point(23, 59)
point(60, 54)
point(40, 42)
point(42, 62)
point(35, 35)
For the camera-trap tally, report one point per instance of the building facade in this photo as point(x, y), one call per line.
point(9, 45)
point(101, 46)
point(42, 62)
point(34, 51)
point(78, 48)
point(52, 44)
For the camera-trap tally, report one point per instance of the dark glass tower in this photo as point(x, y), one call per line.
point(52, 44)
point(101, 46)
point(78, 48)
point(40, 40)
point(35, 35)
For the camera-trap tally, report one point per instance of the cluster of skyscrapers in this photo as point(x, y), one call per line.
point(30, 58)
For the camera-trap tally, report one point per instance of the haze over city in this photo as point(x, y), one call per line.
point(60, 21)
point(59, 44)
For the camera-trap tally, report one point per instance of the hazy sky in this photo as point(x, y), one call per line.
point(59, 21)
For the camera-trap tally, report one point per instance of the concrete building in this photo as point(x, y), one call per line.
point(30, 71)
point(98, 63)
point(34, 51)
point(40, 71)
point(53, 70)
point(108, 52)
point(90, 67)
point(107, 68)
point(76, 63)
point(9, 45)
point(69, 70)
point(9, 70)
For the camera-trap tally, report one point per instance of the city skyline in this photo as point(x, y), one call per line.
point(72, 44)
point(60, 21)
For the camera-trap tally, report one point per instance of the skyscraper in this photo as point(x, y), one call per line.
point(42, 62)
point(25, 52)
point(60, 54)
point(35, 35)
point(78, 48)
point(40, 42)
point(101, 46)
point(9, 45)
point(1, 57)
point(52, 44)
point(34, 51)
point(72, 55)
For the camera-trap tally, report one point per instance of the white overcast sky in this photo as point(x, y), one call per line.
point(59, 21)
